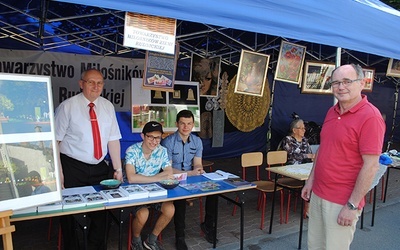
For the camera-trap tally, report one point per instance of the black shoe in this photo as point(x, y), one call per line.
point(208, 233)
point(181, 244)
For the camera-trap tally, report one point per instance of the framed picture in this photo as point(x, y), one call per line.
point(159, 71)
point(155, 105)
point(252, 73)
point(393, 68)
point(29, 171)
point(206, 72)
point(369, 74)
point(316, 77)
point(290, 62)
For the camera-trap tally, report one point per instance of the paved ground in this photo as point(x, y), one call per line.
point(384, 235)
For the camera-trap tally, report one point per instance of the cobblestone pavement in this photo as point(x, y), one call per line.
point(33, 234)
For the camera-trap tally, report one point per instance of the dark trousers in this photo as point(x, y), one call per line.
point(180, 214)
point(78, 174)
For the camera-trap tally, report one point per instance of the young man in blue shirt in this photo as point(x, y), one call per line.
point(185, 151)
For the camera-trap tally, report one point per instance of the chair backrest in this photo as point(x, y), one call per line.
point(252, 159)
point(276, 157)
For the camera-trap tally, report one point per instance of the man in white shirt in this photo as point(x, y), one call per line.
point(79, 166)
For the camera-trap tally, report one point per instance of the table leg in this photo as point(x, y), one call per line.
point(386, 184)
point(373, 208)
point(301, 222)
point(273, 205)
point(120, 218)
point(215, 224)
point(240, 204)
point(362, 219)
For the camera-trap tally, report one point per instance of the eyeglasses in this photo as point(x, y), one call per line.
point(345, 82)
point(152, 138)
point(303, 128)
point(92, 83)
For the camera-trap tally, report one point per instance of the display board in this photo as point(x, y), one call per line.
point(161, 106)
point(29, 172)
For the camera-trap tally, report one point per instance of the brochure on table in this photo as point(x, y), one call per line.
point(219, 175)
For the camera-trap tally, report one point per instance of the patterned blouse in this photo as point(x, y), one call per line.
point(297, 151)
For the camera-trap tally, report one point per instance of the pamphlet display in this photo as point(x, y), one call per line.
point(73, 201)
point(114, 195)
point(94, 198)
point(134, 191)
point(202, 186)
point(237, 182)
point(219, 175)
point(155, 190)
point(50, 207)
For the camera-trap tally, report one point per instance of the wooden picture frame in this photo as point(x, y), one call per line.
point(252, 73)
point(393, 68)
point(369, 74)
point(290, 62)
point(316, 77)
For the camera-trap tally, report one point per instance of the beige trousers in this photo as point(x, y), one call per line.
point(323, 230)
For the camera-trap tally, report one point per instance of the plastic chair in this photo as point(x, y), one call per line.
point(280, 158)
point(255, 159)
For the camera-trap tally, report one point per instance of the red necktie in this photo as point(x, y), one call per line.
point(95, 132)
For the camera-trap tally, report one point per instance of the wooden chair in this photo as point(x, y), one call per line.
point(255, 159)
point(280, 158)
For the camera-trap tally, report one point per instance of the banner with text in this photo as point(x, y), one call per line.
point(66, 69)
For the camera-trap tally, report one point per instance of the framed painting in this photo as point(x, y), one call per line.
point(206, 72)
point(290, 62)
point(393, 68)
point(252, 73)
point(29, 170)
point(155, 105)
point(369, 74)
point(316, 77)
point(159, 71)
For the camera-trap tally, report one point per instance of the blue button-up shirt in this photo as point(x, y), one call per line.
point(181, 154)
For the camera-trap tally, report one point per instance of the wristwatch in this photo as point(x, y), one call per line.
point(351, 206)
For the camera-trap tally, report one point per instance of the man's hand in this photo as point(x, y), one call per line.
point(306, 191)
point(118, 175)
point(165, 176)
point(346, 216)
point(196, 171)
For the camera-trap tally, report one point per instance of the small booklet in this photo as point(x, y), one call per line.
point(73, 201)
point(219, 175)
point(134, 191)
point(94, 198)
point(50, 207)
point(155, 190)
point(114, 195)
point(237, 182)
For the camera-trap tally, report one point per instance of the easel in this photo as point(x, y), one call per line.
point(6, 229)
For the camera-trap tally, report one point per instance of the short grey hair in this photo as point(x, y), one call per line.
point(357, 68)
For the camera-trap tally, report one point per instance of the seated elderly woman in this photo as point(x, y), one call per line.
point(299, 151)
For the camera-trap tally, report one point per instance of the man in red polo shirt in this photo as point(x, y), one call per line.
point(346, 162)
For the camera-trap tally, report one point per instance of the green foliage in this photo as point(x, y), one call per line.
point(5, 104)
